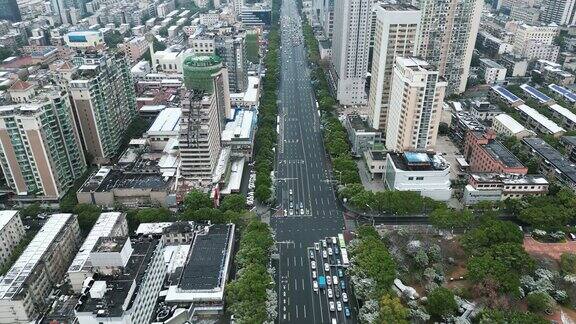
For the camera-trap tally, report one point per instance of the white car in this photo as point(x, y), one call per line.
point(332, 306)
point(314, 274)
point(330, 294)
point(339, 306)
point(324, 254)
point(328, 281)
point(313, 265)
point(335, 279)
point(315, 285)
point(317, 246)
point(324, 244)
point(344, 297)
point(330, 252)
point(326, 267)
point(301, 211)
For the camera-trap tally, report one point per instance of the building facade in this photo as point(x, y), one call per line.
point(560, 12)
point(11, 233)
point(350, 42)
point(447, 36)
point(395, 36)
point(416, 100)
point(485, 154)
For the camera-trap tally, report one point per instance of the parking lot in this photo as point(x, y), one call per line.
point(328, 263)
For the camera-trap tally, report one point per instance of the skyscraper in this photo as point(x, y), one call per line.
point(41, 154)
point(416, 101)
point(232, 50)
point(395, 35)
point(9, 10)
point(104, 102)
point(350, 42)
point(447, 36)
point(561, 12)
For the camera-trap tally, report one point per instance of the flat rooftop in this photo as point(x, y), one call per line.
point(205, 269)
point(510, 123)
point(166, 122)
point(109, 244)
point(118, 287)
point(499, 152)
point(418, 161)
point(563, 167)
point(118, 179)
point(505, 178)
point(358, 124)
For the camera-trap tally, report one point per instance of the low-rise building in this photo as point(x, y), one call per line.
point(552, 163)
point(501, 186)
point(427, 173)
point(375, 163)
point(563, 93)
point(239, 133)
point(569, 143)
point(504, 124)
point(462, 123)
point(567, 117)
point(128, 278)
point(25, 288)
point(540, 122)
point(492, 71)
point(516, 66)
point(361, 135)
point(164, 129)
point(484, 111)
point(537, 95)
point(108, 224)
point(485, 154)
point(11, 233)
point(500, 94)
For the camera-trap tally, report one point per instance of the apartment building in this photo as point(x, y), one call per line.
point(25, 288)
point(416, 100)
point(108, 224)
point(395, 35)
point(485, 154)
point(560, 12)
point(505, 125)
point(552, 163)
point(535, 42)
point(350, 46)
point(135, 48)
point(40, 145)
point(447, 36)
point(492, 71)
point(105, 102)
point(11, 233)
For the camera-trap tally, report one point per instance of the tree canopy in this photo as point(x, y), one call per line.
point(441, 303)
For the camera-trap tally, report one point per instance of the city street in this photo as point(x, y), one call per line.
point(307, 208)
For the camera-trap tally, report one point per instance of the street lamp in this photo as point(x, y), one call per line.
point(371, 214)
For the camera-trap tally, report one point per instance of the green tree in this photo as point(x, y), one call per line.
point(550, 217)
point(31, 210)
point(113, 38)
point(234, 202)
point(87, 216)
point(441, 303)
point(568, 262)
point(496, 316)
point(489, 233)
point(446, 218)
point(539, 302)
point(392, 311)
point(197, 199)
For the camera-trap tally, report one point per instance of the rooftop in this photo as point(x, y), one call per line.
point(397, 7)
point(561, 164)
point(492, 64)
point(107, 179)
point(506, 94)
point(103, 227)
point(166, 121)
point(14, 279)
point(6, 216)
point(108, 244)
point(418, 161)
point(506, 178)
point(119, 288)
point(569, 95)
point(241, 128)
point(551, 126)
point(358, 124)
point(499, 152)
point(542, 98)
point(510, 123)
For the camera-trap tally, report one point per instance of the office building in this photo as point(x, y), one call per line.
point(350, 42)
point(552, 163)
point(108, 224)
point(560, 12)
point(41, 152)
point(128, 278)
point(9, 10)
point(447, 36)
point(11, 233)
point(395, 35)
point(497, 187)
point(105, 102)
point(485, 154)
point(416, 101)
point(426, 173)
point(25, 288)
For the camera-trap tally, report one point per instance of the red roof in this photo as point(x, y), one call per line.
point(20, 85)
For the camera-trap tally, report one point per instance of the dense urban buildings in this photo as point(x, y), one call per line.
point(447, 36)
point(395, 36)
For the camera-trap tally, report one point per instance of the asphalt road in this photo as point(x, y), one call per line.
point(301, 182)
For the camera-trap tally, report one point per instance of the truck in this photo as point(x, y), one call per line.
point(321, 282)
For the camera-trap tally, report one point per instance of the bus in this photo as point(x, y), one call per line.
point(341, 242)
point(344, 253)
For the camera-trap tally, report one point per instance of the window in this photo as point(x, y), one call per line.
point(410, 178)
point(419, 178)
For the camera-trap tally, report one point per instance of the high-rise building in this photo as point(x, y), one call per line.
point(447, 36)
point(536, 42)
point(416, 100)
point(41, 154)
point(26, 287)
point(350, 45)
point(104, 101)
point(9, 10)
point(232, 50)
point(395, 35)
point(561, 12)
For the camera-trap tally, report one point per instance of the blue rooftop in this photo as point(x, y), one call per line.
point(569, 95)
point(534, 93)
point(503, 92)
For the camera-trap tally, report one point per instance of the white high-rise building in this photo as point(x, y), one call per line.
point(395, 35)
point(447, 36)
point(561, 12)
point(416, 100)
point(350, 42)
